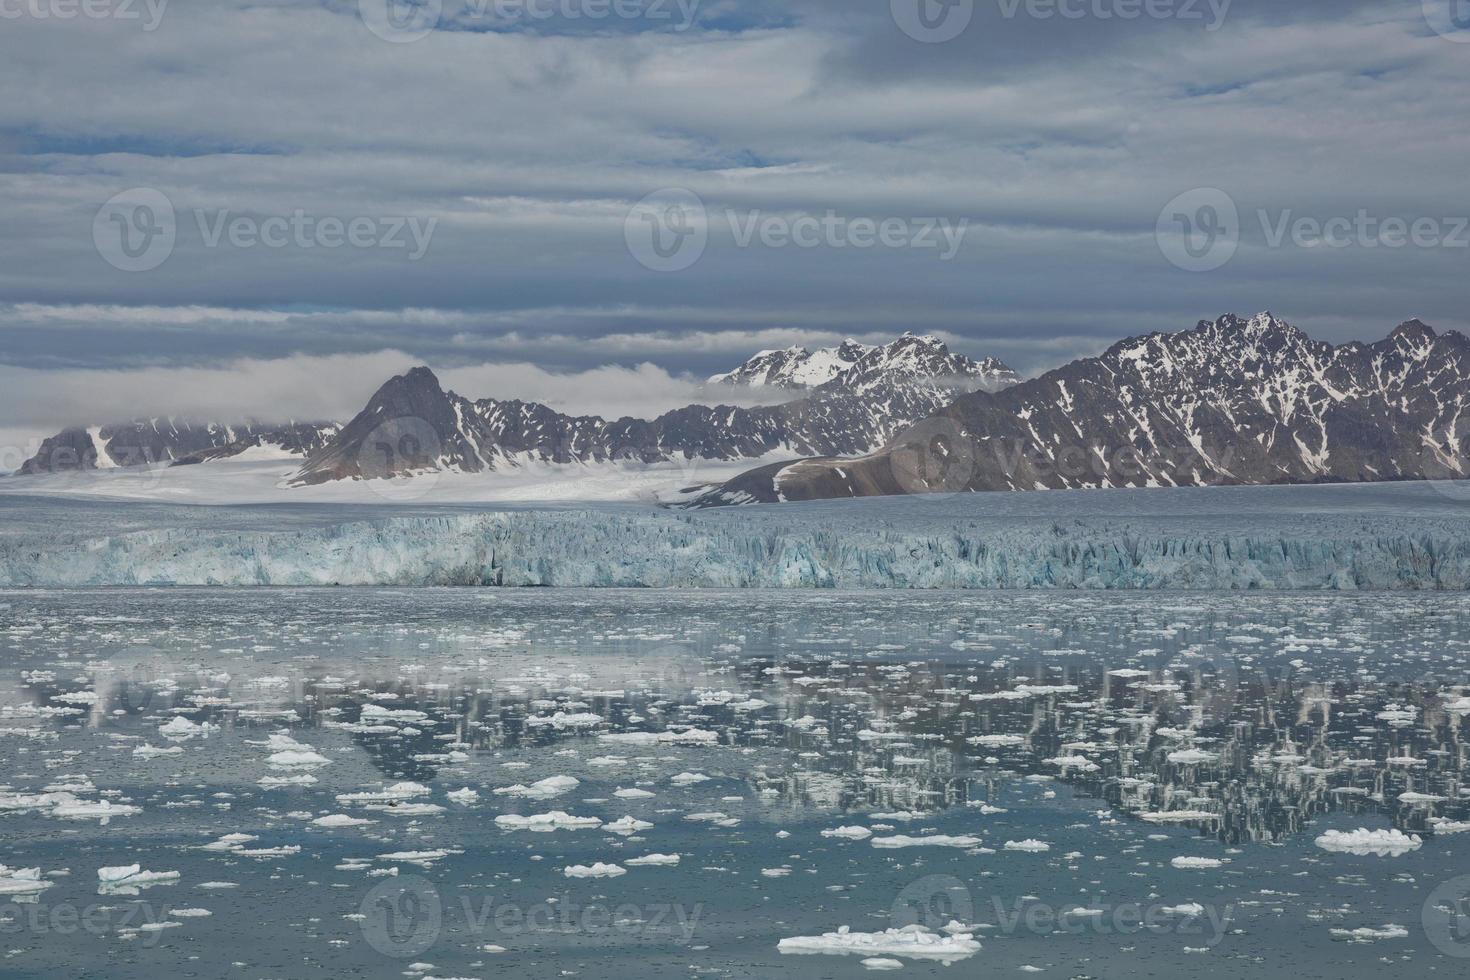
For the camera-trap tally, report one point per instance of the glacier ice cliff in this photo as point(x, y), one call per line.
point(1221, 538)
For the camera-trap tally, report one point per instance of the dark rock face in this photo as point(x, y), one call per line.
point(168, 440)
point(67, 451)
point(1233, 401)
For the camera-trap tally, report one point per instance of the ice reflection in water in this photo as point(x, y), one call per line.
point(1105, 724)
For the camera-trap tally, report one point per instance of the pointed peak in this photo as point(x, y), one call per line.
point(420, 375)
point(911, 339)
point(1415, 330)
point(1262, 324)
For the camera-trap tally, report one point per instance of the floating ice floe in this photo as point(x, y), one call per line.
point(22, 881)
point(1367, 934)
point(335, 820)
point(598, 870)
point(1178, 816)
point(180, 728)
point(390, 794)
point(849, 833)
point(688, 778)
point(228, 843)
point(715, 818)
point(464, 797)
point(1191, 910)
point(1383, 843)
point(129, 879)
point(653, 861)
point(287, 753)
point(1028, 845)
point(263, 853)
point(882, 963)
point(546, 822)
point(1197, 863)
point(423, 859)
point(100, 810)
point(154, 751)
point(548, 788)
point(688, 736)
point(1413, 798)
point(563, 721)
point(406, 809)
point(912, 942)
point(627, 826)
point(933, 840)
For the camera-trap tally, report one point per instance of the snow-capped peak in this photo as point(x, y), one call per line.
point(794, 367)
point(853, 366)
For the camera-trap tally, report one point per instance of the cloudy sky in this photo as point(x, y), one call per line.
point(180, 180)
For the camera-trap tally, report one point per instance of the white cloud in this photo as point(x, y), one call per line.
point(36, 403)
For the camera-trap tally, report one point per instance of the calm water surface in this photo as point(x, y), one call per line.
point(1048, 757)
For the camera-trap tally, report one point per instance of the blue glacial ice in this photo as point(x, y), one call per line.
point(1398, 536)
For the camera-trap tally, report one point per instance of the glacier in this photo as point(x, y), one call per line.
point(1358, 537)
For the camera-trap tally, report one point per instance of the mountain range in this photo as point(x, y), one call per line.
point(1232, 401)
point(412, 424)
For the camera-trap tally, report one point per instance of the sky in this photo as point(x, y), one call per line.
point(267, 207)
